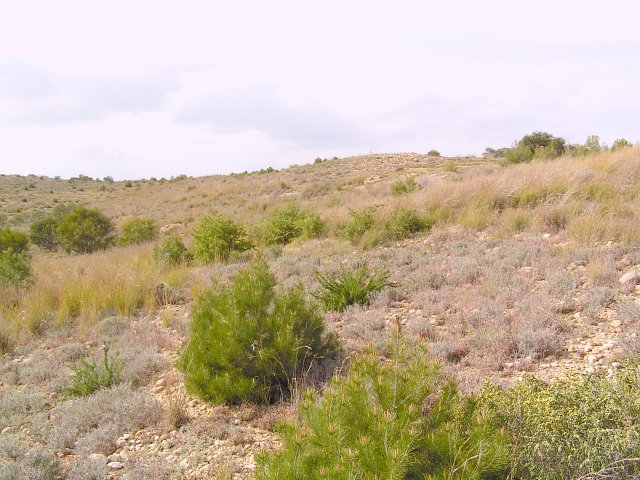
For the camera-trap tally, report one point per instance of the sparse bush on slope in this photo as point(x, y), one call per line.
point(171, 251)
point(403, 223)
point(402, 187)
point(215, 238)
point(291, 222)
point(392, 419)
point(15, 270)
point(43, 233)
point(359, 224)
point(15, 241)
point(250, 342)
point(136, 231)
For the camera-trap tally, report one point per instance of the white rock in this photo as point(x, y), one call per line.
point(115, 465)
point(630, 276)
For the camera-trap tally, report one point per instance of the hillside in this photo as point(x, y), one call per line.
point(509, 271)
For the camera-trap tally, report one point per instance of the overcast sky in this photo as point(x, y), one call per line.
point(138, 89)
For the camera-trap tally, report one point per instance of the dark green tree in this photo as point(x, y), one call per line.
point(84, 230)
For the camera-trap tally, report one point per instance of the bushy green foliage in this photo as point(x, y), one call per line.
point(11, 240)
point(359, 224)
point(84, 230)
point(402, 187)
point(93, 377)
point(171, 251)
point(43, 233)
point(136, 231)
point(404, 222)
point(15, 270)
point(250, 342)
point(349, 287)
point(215, 238)
point(535, 145)
point(433, 153)
point(571, 427)
point(619, 143)
point(391, 419)
point(290, 222)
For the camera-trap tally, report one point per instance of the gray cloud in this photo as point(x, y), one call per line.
point(33, 96)
point(261, 109)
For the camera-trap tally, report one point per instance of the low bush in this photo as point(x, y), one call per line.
point(11, 240)
point(215, 238)
point(619, 143)
point(92, 377)
point(359, 224)
point(43, 233)
point(568, 428)
point(350, 287)
point(171, 251)
point(391, 419)
point(402, 187)
point(136, 231)
point(291, 222)
point(250, 342)
point(403, 223)
point(84, 230)
point(15, 270)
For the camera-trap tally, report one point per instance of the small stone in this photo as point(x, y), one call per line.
point(65, 452)
point(546, 236)
point(616, 364)
point(615, 323)
point(115, 465)
point(589, 370)
point(157, 389)
point(591, 359)
point(99, 457)
point(630, 276)
point(5, 430)
point(236, 421)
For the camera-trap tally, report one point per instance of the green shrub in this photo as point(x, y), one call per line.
point(571, 427)
point(92, 377)
point(290, 222)
point(84, 230)
point(620, 143)
point(403, 223)
point(349, 287)
point(388, 420)
point(359, 224)
point(214, 238)
point(171, 251)
point(518, 154)
point(43, 233)
point(137, 230)
point(15, 270)
point(14, 241)
point(251, 343)
point(402, 187)
point(433, 153)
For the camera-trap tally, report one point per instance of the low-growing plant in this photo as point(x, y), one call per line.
point(15, 270)
point(215, 238)
point(359, 224)
point(404, 222)
point(350, 287)
point(394, 419)
point(402, 187)
point(93, 377)
point(136, 231)
point(433, 153)
point(172, 251)
point(290, 222)
point(250, 343)
point(11, 240)
point(619, 143)
point(568, 428)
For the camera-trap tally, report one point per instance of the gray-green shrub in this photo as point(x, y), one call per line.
point(15, 270)
point(359, 224)
point(404, 222)
point(291, 222)
point(171, 251)
point(402, 187)
point(250, 342)
point(11, 240)
point(84, 230)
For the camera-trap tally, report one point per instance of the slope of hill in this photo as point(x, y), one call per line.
point(514, 270)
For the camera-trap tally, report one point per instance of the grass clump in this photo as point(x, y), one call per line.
point(392, 419)
point(569, 428)
point(215, 238)
point(350, 287)
point(404, 222)
point(172, 251)
point(136, 231)
point(250, 343)
point(402, 187)
point(291, 222)
point(93, 377)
